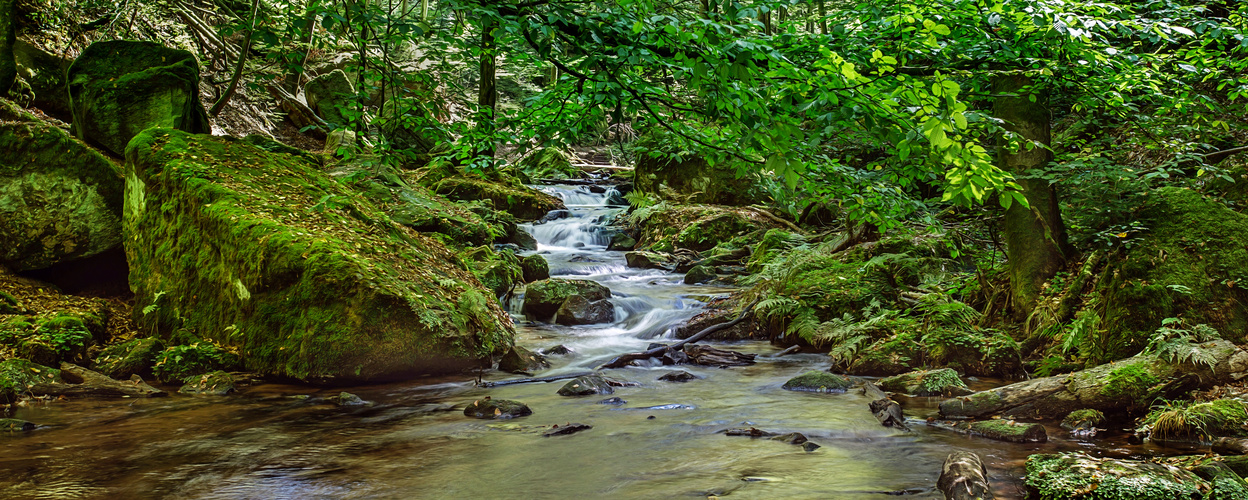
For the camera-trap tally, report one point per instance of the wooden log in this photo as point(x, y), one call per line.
point(80, 381)
point(1111, 388)
point(530, 380)
point(998, 429)
point(624, 360)
point(963, 477)
point(710, 356)
point(887, 411)
point(1230, 446)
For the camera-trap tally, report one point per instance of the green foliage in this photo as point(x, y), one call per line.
point(180, 362)
point(1133, 382)
point(1191, 420)
point(1182, 345)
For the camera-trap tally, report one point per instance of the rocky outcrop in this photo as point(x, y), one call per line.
point(506, 194)
point(59, 199)
point(120, 88)
point(328, 95)
point(45, 73)
point(683, 176)
point(133, 357)
point(263, 253)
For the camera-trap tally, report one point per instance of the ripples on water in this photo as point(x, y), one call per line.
point(414, 442)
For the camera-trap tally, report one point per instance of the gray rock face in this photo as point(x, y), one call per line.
point(59, 199)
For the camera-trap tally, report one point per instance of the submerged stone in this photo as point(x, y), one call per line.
point(15, 424)
point(818, 381)
point(542, 299)
point(120, 88)
point(217, 383)
point(263, 253)
point(678, 376)
point(497, 409)
point(577, 310)
point(586, 386)
point(569, 428)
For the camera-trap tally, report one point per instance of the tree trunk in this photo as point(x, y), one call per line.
point(242, 61)
point(1118, 387)
point(964, 477)
point(8, 37)
point(823, 18)
point(1035, 236)
point(487, 96)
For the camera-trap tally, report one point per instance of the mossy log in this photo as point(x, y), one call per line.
point(997, 429)
point(963, 477)
point(79, 381)
point(1132, 383)
point(887, 411)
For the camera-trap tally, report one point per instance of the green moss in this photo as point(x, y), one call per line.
point(1190, 420)
point(217, 383)
point(1083, 419)
point(667, 170)
point(507, 194)
point(1133, 382)
point(9, 304)
point(817, 381)
point(180, 362)
point(48, 339)
point(1068, 476)
point(18, 375)
point(925, 383)
point(535, 268)
point(133, 357)
point(500, 271)
point(263, 253)
point(1188, 265)
point(774, 243)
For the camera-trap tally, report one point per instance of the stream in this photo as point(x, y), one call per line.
point(282, 441)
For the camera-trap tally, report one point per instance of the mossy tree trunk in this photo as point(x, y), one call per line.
point(1035, 236)
point(487, 96)
point(8, 37)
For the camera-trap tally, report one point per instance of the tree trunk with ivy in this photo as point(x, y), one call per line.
point(8, 37)
point(487, 96)
point(1035, 236)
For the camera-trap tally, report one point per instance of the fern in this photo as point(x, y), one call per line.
point(645, 209)
point(777, 308)
point(1182, 345)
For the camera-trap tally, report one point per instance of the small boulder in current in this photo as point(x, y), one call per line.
point(678, 376)
point(534, 268)
point(543, 298)
point(700, 274)
point(577, 310)
point(817, 381)
point(217, 383)
point(569, 428)
point(586, 386)
point(496, 409)
point(518, 359)
point(15, 424)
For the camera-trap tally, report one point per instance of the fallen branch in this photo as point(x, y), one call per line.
point(531, 380)
point(788, 350)
point(625, 359)
point(887, 411)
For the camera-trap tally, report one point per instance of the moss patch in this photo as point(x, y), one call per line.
point(1201, 421)
point(926, 383)
point(817, 381)
point(263, 253)
point(1067, 476)
point(506, 194)
point(18, 375)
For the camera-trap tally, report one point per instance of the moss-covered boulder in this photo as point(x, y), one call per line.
point(700, 274)
point(59, 199)
point(942, 382)
point(496, 409)
point(181, 362)
point(1008, 430)
point(1083, 419)
point(535, 268)
point(262, 253)
point(665, 227)
point(19, 375)
point(120, 88)
point(217, 383)
point(666, 169)
point(549, 163)
point(1190, 264)
point(521, 360)
point(48, 339)
point(506, 193)
point(328, 95)
point(1071, 476)
point(132, 357)
point(577, 310)
point(587, 385)
point(817, 381)
point(644, 259)
point(542, 299)
point(622, 241)
point(500, 271)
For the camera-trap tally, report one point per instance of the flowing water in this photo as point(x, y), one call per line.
point(413, 441)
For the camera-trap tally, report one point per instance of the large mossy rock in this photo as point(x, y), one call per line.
point(49, 339)
point(506, 193)
point(500, 271)
point(1191, 264)
point(542, 299)
point(1071, 476)
point(940, 382)
point(674, 174)
point(59, 199)
point(120, 88)
point(328, 95)
point(1123, 386)
point(697, 227)
point(549, 163)
point(263, 253)
point(133, 357)
point(817, 381)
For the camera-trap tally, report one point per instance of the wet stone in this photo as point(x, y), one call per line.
point(348, 399)
point(678, 376)
point(587, 385)
point(791, 438)
point(613, 401)
point(559, 350)
point(496, 409)
point(16, 424)
point(563, 430)
point(748, 432)
point(809, 446)
point(817, 381)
